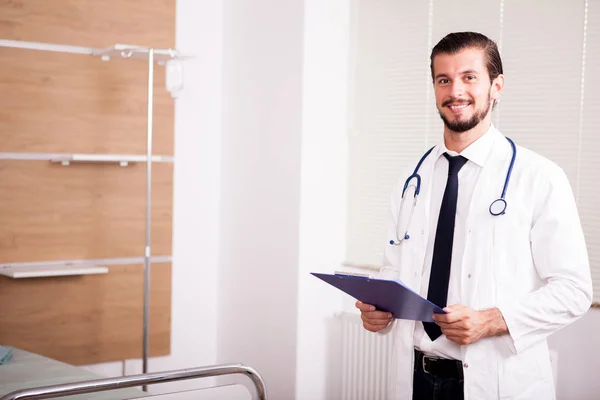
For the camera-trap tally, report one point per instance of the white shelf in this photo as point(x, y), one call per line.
point(87, 262)
point(121, 159)
point(136, 52)
point(59, 48)
point(116, 51)
point(66, 159)
point(49, 271)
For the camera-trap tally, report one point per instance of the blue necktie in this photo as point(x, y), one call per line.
point(442, 248)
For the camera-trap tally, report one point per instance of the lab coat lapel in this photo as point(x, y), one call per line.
point(480, 223)
point(424, 211)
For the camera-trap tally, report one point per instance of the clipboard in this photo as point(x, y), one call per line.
point(386, 295)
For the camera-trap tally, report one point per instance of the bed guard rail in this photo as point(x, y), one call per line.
point(100, 385)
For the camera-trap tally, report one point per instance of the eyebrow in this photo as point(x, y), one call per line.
point(467, 71)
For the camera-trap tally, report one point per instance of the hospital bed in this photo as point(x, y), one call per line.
point(31, 376)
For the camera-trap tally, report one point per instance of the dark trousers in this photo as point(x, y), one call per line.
point(428, 386)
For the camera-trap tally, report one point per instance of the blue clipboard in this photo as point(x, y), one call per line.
point(385, 295)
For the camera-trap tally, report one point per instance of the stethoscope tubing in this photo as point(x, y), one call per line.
point(500, 202)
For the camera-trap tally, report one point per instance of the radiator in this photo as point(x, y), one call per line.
point(365, 358)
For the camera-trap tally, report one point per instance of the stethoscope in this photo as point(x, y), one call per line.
point(498, 206)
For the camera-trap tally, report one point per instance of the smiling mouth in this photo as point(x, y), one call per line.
point(456, 108)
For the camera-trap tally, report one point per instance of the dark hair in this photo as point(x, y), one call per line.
point(457, 41)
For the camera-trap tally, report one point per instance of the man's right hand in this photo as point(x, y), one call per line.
point(373, 320)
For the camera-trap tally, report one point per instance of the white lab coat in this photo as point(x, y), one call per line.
point(531, 263)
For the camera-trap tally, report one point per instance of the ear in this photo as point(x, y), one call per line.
point(497, 87)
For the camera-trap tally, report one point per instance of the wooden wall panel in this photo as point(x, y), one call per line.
point(73, 103)
point(82, 211)
point(89, 23)
point(87, 319)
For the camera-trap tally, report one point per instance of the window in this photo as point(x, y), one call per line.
point(551, 102)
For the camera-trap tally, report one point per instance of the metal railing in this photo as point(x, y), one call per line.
point(100, 385)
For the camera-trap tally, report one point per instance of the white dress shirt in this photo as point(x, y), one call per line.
point(476, 154)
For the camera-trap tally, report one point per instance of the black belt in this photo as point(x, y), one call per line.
point(440, 367)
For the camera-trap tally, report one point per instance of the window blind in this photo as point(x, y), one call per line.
point(587, 189)
point(389, 45)
point(551, 102)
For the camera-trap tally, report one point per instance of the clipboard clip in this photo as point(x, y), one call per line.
point(343, 273)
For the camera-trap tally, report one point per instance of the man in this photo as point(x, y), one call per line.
point(506, 281)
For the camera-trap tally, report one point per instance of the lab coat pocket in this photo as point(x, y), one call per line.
point(522, 377)
point(511, 247)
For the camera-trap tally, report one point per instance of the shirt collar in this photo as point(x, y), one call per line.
point(477, 151)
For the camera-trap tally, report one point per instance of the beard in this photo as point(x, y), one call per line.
point(460, 126)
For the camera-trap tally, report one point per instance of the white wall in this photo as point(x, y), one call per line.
point(323, 194)
point(578, 348)
point(260, 197)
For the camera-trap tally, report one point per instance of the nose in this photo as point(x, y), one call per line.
point(458, 88)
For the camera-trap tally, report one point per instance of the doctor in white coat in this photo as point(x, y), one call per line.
point(508, 274)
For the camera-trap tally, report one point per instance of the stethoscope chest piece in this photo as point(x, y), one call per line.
point(498, 207)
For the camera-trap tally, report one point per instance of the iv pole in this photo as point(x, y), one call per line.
point(147, 251)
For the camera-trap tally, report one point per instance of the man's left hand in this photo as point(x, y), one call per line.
point(464, 325)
